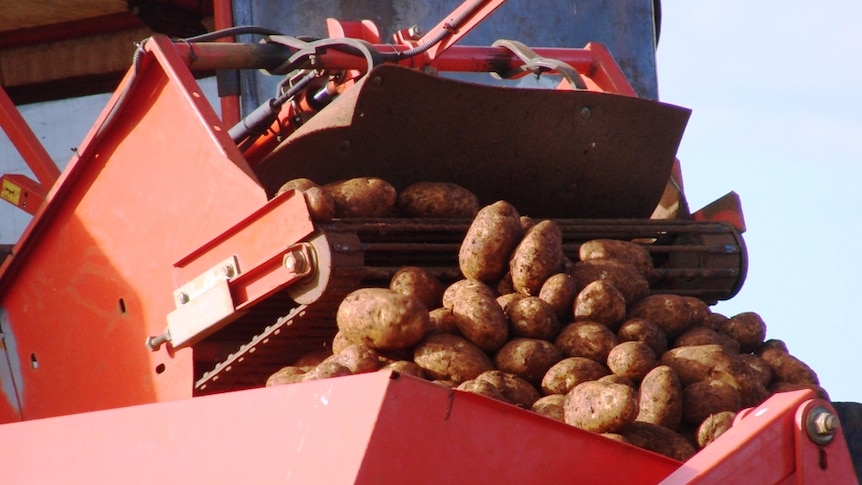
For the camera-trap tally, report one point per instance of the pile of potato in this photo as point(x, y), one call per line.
point(584, 342)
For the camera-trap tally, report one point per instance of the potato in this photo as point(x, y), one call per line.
point(660, 398)
point(321, 205)
point(362, 197)
point(792, 386)
point(326, 370)
point(450, 294)
point(643, 330)
point(559, 291)
point(506, 299)
point(286, 375)
point(615, 379)
point(787, 368)
point(437, 200)
point(714, 321)
point(492, 236)
point(357, 358)
point(563, 376)
point(632, 360)
point(527, 358)
point(483, 388)
point(339, 342)
point(624, 277)
point(442, 320)
point(659, 439)
point(758, 369)
point(601, 407)
point(703, 398)
point(714, 426)
point(538, 256)
point(704, 362)
point(531, 317)
point(447, 357)
point(746, 328)
point(622, 251)
point(586, 339)
point(420, 284)
point(700, 335)
point(670, 312)
point(601, 302)
point(515, 390)
point(480, 319)
point(699, 310)
point(382, 319)
point(405, 367)
point(551, 406)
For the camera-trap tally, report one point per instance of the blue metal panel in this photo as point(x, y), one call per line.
point(626, 28)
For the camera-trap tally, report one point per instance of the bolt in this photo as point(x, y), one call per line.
point(182, 298)
point(228, 271)
point(821, 425)
point(153, 343)
point(586, 112)
point(414, 32)
point(294, 262)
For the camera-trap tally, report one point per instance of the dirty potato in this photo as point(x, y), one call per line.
point(450, 294)
point(437, 200)
point(700, 335)
point(362, 197)
point(703, 398)
point(748, 329)
point(442, 320)
point(480, 319)
point(787, 368)
point(447, 357)
point(643, 330)
point(492, 236)
point(527, 358)
point(559, 291)
point(670, 312)
point(714, 426)
point(515, 390)
point(586, 339)
point(358, 358)
point(601, 407)
point(406, 367)
point(704, 362)
point(632, 360)
point(563, 376)
point(286, 375)
point(601, 302)
point(326, 370)
point(623, 251)
point(660, 440)
point(624, 277)
point(321, 205)
point(531, 317)
point(660, 398)
point(420, 284)
point(382, 319)
point(536, 257)
point(551, 406)
point(482, 388)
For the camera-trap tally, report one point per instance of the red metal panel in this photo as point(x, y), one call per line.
point(369, 428)
point(768, 445)
point(93, 275)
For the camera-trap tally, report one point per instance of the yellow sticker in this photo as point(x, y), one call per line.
point(10, 192)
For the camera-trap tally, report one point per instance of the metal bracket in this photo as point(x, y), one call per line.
point(537, 64)
point(225, 270)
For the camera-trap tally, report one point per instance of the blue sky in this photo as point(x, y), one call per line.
point(774, 89)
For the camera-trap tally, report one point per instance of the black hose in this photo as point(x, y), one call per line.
point(232, 32)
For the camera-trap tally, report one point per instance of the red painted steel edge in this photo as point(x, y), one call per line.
point(768, 445)
point(93, 275)
point(369, 428)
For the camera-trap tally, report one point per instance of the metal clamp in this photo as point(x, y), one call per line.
point(537, 64)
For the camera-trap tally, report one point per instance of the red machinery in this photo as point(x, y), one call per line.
point(159, 267)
